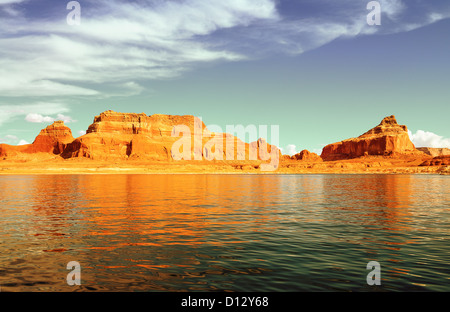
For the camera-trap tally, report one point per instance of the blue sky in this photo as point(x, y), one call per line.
point(313, 67)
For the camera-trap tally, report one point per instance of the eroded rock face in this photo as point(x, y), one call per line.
point(388, 138)
point(438, 161)
point(156, 125)
point(306, 155)
point(435, 151)
point(53, 139)
point(138, 136)
point(8, 150)
point(125, 135)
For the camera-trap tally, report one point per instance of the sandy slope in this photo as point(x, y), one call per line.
point(50, 164)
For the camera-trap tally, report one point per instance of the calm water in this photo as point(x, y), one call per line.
point(225, 232)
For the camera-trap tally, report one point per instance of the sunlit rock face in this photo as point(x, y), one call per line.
point(53, 139)
point(388, 138)
point(115, 135)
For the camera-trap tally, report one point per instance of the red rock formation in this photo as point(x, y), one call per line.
point(131, 136)
point(437, 161)
point(435, 151)
point(120, 136)
point(53, 139)
point(124, 135)
point(306, 155)
point(8, 150)
point(156, 125)
point(388, 138)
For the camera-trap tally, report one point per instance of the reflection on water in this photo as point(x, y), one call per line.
point(224, 232)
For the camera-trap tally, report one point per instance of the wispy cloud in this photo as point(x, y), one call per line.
point(121, 43)
point(10, 1)
point(9, 8)
point(12, 140)
point(118, 43)
point(8, 139)
point(332, 20)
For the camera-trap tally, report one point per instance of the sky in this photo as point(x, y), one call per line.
point(315, 68)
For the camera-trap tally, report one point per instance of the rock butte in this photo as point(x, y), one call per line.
point(125, 136)
point(140, 143)
point(307, 156)
point(386, 139)
point(53, 139)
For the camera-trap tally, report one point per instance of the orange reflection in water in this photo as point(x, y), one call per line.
point(394, 200)
point(180, 209)
point(380, 200)
point(197, 232)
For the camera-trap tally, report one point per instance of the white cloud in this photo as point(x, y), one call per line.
point(289, 149)
point(318, 151)
point(38, 118)
point(12, 140)
point(120, 42)
point(8, 139)
point(392, 8)
point(66, 119)
point(9, 112)
point(2, 2)
point(428, 139)
point(81, 132)
point(116, 43)
point(8, 6)
point(11, 1)
point(345, 20)
point(11, 137)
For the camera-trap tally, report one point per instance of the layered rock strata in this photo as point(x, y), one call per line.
point(386, 139)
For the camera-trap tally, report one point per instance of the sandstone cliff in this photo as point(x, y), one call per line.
point(124, 135)
point(388, 138)
point(306, 155)
point(138, 136)
point(437, 161)
point(53, 139)
point(435, 151)
point(143, 140)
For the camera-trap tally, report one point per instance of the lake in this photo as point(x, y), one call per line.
point(225, 232)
